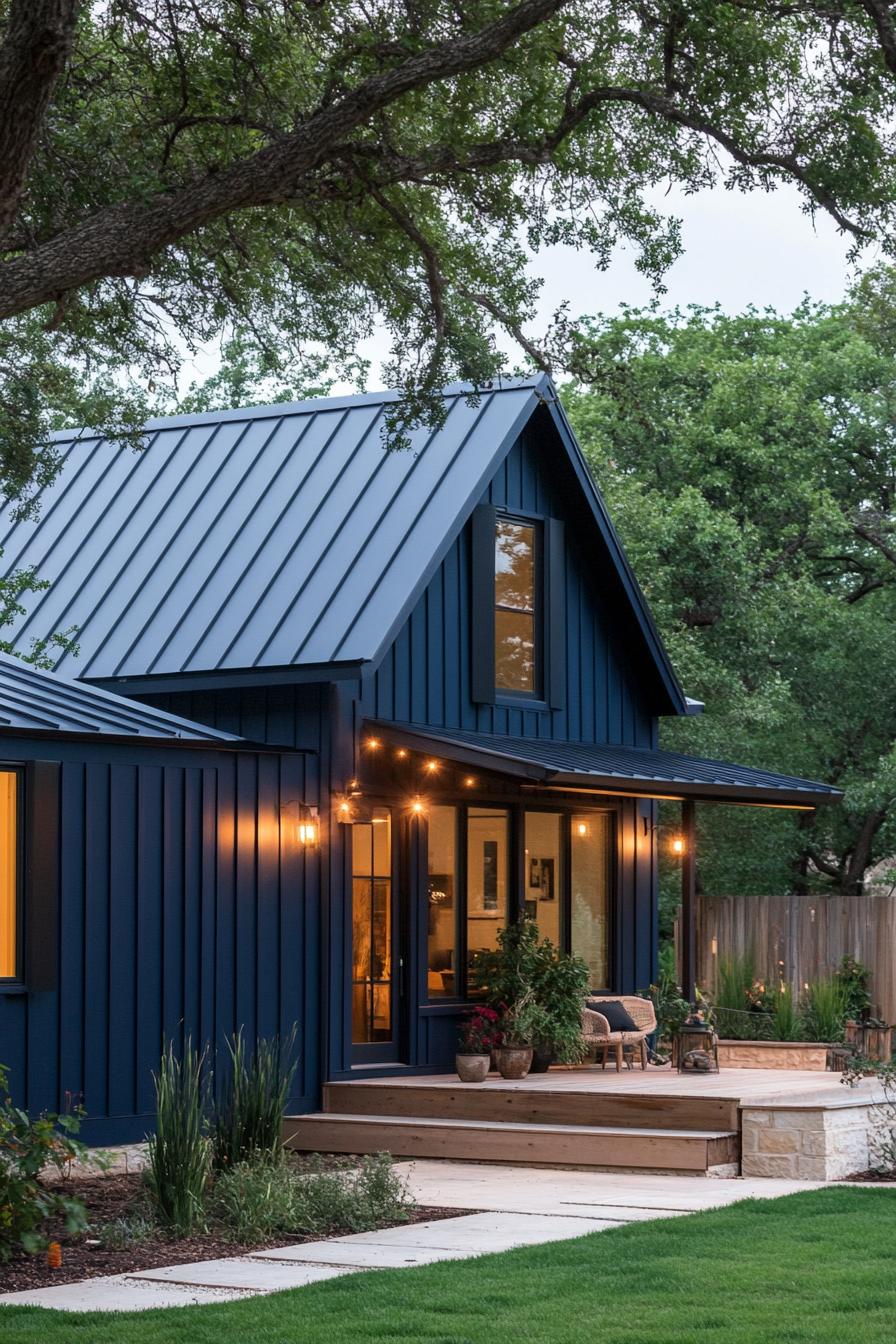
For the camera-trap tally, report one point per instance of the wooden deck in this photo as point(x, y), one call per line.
point(654, 1120)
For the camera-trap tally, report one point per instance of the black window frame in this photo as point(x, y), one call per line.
point(516, 883)
point(506, 694)
point(550, 610)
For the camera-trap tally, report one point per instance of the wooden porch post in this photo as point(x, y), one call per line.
point(688, 901)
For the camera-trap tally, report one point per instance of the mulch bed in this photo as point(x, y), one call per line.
point(120, 1196)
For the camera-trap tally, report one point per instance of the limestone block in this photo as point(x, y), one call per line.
point(812, 1168)
point(779, 1141)
point(785, 1165)
point(814, 1143)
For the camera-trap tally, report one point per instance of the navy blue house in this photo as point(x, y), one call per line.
point(336, 716)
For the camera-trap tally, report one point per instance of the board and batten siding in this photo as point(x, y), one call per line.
point(425, 677)
point(185, 908)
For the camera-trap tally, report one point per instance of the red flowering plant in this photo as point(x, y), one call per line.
point(480, 1033)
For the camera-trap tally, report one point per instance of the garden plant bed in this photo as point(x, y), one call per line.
point(773, 1055)
point(108, 1198)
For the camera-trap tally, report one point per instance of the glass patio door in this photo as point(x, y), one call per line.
point(376, 947)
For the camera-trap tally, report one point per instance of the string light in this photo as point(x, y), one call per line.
point(373, 743)
point(432, 766)
point(402, 753)
point(469, 781)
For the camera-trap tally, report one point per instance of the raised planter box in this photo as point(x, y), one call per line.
point(772, 1055)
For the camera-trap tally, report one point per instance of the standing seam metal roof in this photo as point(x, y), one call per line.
point(270, 537)
point(33, 699)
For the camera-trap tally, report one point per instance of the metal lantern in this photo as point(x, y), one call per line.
point(697, 1049)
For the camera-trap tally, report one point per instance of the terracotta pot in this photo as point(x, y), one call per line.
point(513, 1061)
point(472, 1068)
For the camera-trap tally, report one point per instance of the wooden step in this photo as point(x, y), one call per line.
point(543, 1144)
point(546, 1104)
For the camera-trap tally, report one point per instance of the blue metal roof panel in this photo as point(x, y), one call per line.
point(610, 766)
point(36, 700)
point(269, 537)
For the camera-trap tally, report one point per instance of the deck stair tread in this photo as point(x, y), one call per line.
point(430, 1122)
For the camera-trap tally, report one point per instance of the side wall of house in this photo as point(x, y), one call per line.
point(184, 907)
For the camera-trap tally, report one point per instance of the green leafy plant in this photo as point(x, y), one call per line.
point(854, 979)
point(120, 1233)
point(521, 1022)
point(671, 1009)
point(786, 1022)
point(27, 1147)
point(824, 1010)
point(247, 1120)
point(258, 1200)
point(554, 982)
point(740, 1002)
point(179, 1150)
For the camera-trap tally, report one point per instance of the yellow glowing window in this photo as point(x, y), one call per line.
point(9, 877)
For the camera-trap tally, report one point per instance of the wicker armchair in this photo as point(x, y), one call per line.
point(596, 1028)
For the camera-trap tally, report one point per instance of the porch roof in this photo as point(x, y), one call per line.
point(604, 768)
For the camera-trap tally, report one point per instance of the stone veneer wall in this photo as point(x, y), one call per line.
point(772, 1055)
point(807, 1143)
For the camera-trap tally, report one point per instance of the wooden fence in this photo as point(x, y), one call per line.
point(800, 938)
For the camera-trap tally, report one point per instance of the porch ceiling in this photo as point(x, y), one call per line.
point(602, 768)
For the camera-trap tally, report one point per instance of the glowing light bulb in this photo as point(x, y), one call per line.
point(432, 766)
point(678, 845)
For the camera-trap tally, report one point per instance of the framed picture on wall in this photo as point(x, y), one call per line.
point(547, 880)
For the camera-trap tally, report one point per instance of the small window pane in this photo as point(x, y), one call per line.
point(544, 872)
point(486, 878)
point(515, 566)
point(590, 882)
point(8, 873)
point(442, 903)
point(514, 651)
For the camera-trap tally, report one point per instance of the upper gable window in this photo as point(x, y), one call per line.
point(517, 602)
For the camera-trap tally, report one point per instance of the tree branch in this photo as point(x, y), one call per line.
point(122, 240)
point(35, 49)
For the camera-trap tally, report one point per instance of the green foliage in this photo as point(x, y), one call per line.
point(669, 1004)
point(786, 1022)
point(27, 1147)
point(248, 1117)
point(119, 1234)
point(824, 1010)
point(179, 1151)
point(256, 1201)
point(854, 979)
point(748, 464)
point(553, 983)
point(741, 1004)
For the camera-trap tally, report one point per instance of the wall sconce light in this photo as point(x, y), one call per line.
point(581, 829)
point(309, 826)
point(678, 846)
point(305, 822)
point(418, 807)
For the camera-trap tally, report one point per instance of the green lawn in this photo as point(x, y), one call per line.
point(815, 1267)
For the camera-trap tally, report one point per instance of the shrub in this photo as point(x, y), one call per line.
point(854, 979)
point(179, 1151)
point(260, 1200)
point(824, 1010)
point(248, 1118)
point(739, 1002)
point(786, 1023)
point(27, 1147)
point(479, 1032)
point(120, 1233)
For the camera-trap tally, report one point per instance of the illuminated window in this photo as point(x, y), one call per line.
point(9, 875)
point(372, 930)
point(487, 854)
point(516, 614)
point(442, 908)
point(590, 873)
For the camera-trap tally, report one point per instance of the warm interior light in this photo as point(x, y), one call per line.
point(582, 828)
point(678, 844)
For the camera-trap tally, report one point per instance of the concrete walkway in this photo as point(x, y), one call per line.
point(517, 1207)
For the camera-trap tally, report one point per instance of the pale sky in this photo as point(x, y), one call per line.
point(738, 249)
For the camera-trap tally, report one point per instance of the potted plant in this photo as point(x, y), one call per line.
point(519, 1024)
point(556, 982)
point(479, 1036)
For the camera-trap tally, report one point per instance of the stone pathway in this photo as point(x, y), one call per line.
point(518, 1207)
